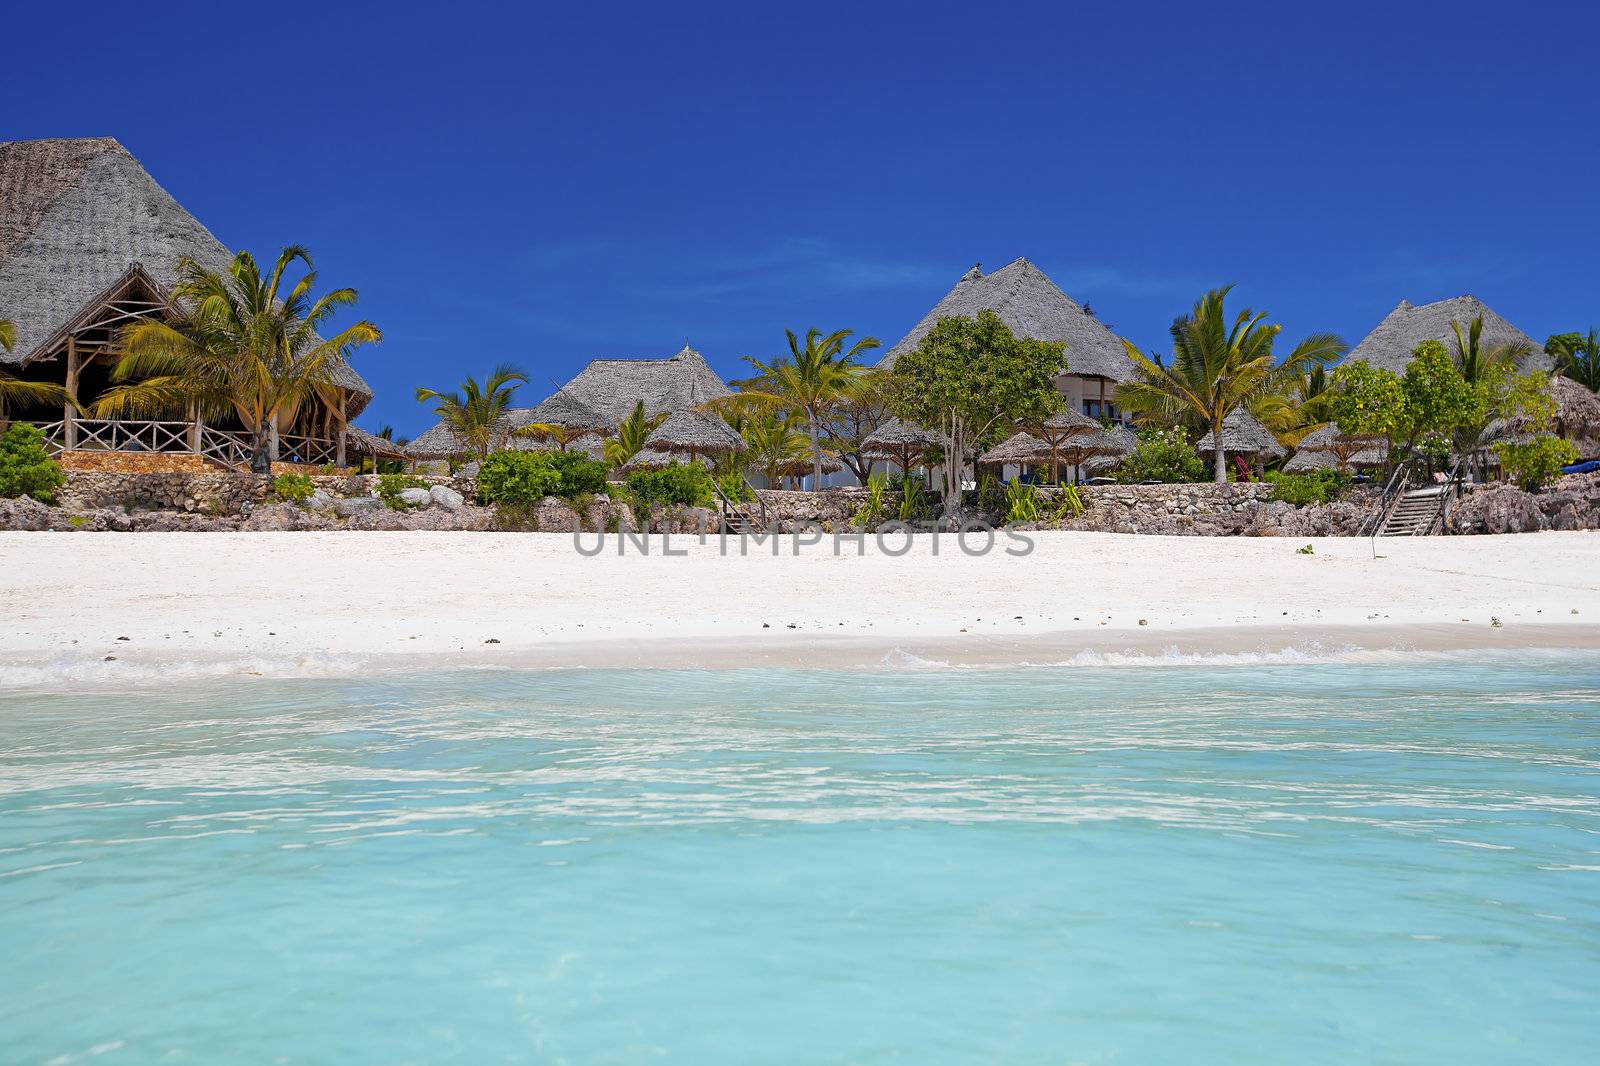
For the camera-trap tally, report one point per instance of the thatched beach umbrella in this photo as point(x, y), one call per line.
point(1577, 413)
point(899, 442)
point(694, 433)
point(1329, 446)
point(439, 442)
point(652, 459)
point(801, 468)
point(1059, 431)
point(1020, 449)
point(1243, 434)
point(359, 442)
point(1101, 444)
point(1125, 441)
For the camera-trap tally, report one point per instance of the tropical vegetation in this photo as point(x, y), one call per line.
point(14, 389)
point(1219, 366)
point(1577, 356)
point(526, 477)
point(631, 435)
point(474, 411)
point(1536, 462)
point(811, 382)
point(244, 343)
point(685, 484)
point(1163, 454)
point(970, 380)
point(26, 469)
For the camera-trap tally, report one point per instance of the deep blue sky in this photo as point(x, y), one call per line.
point(549, 185)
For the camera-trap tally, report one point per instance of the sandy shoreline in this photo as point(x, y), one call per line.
point(352, 603)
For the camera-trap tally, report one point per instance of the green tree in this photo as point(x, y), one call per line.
point(1367, 401)
point(1218, 366)
point(1534, 463)
point(1473, 359)
point(631, 434)
point(1440, 401)
point(239, 344)
point(812, 381)
point(968, 380)
point(1577, 357)
point(475, 412)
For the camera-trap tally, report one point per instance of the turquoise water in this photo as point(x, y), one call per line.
point(1394, 863)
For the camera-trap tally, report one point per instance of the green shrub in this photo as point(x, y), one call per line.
point(26, 469)
point(1532, 465)
point(1022, 503)
point(991, 497)
point(1071, 504)
point(913, 501)
point(688, 484)
point(735, 487)
point(390, 486)
point(1163, 455)
point(1312, 487)
point(530, 476)
point(293, 488)
point(873, 511)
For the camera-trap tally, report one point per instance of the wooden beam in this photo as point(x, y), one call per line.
point(69, 427)
point(338, 435)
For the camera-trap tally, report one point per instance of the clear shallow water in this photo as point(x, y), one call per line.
point(1316, 863)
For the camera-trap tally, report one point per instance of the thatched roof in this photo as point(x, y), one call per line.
point(1392, 344)
point(696, 432)
point(559, 409)
point(1243, 433)
point(1081, 447)
point(1018, 448)
point(76, 216)
point(655, 459)
point(802, 467)
point(361, 442)
point(895, 436)
point(1031, 305)
point(1318, 450)
point(1577, 409)
point(1069, 424)
point(611, 387)
point(1125, 441)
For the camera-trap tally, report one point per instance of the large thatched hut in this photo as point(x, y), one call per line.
point(1033, 306)
point(90, 242)
point(604, 393)
point(1391, 345)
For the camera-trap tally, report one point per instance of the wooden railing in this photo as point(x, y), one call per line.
point(225, 447)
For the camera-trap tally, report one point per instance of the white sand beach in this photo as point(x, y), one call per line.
point(131, 607)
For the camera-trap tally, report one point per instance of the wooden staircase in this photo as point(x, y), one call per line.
point(1414, 514)
point(739, 519)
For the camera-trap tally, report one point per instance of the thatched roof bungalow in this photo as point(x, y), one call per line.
point(1033, 306)
point(89, 242)
point(695, 433)
point(599, 398)
point(1394, 341)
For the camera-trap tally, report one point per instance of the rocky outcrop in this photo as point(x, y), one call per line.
point(1571, 502)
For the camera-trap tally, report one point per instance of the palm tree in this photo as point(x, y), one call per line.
point(14, 389)
point(474, 413)
point(1578, 357)
point(811, 381)
point(632, 432)
point(1218, 367)
point(1474, 359)
point(239, 344)
point(389, 466)
point(1301, 409)
point(776, 444)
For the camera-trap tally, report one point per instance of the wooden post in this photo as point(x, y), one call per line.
point(339, 433)
point(194, 428)
point(272, 439)
point(69, 427)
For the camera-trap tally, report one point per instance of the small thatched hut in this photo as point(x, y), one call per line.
point(1577, 414)
point(655, 459)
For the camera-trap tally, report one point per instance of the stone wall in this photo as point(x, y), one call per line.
point(208, 492)
point(1571, 502)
